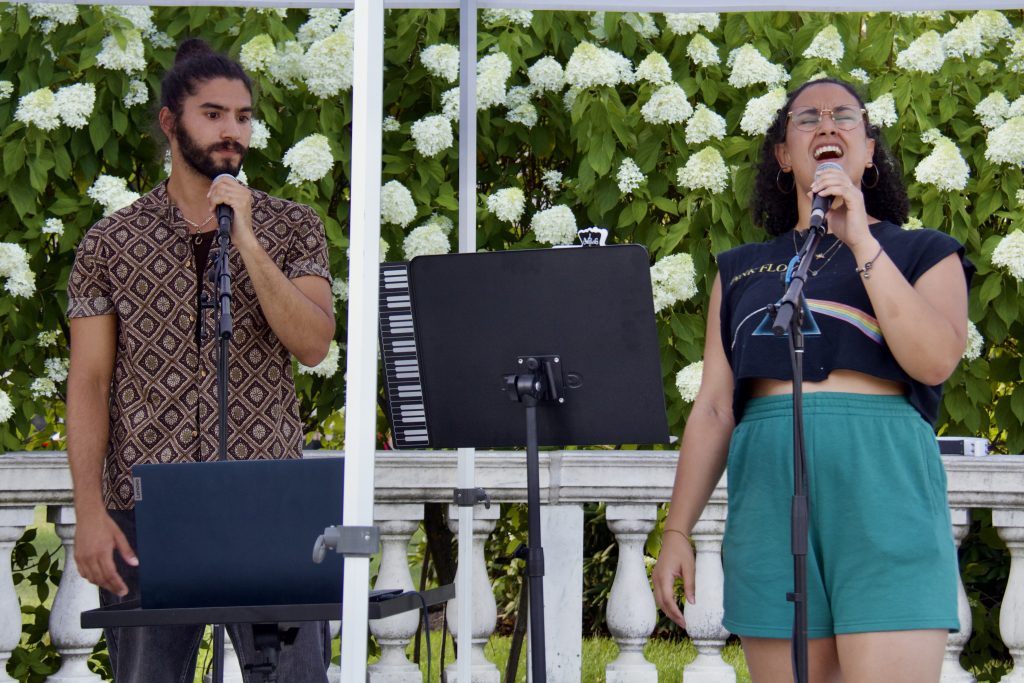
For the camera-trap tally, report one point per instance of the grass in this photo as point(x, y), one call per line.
point(669, 657)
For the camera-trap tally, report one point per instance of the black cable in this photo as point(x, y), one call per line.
point(426, 629)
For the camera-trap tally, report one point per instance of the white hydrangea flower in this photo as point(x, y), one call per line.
point(827, 45)
point(522, 17)
point(137, 94)
point(39, 109)
point(517, 96)
point(546, 74)
point(569, 98)
point(321, 23)
point(1016, 108)
point(442, 222)
point(492, 74)
point(629, 176)
point(1005, 144)
point(817, 77)
point(112, 193)
point(53, 226)
point(1009, 254)
point(327, 65)
point(309, 159)
point(286, 68)
point(14, 267)
point(882, 111)
point(930, 15)
point(704, 125)
point(552, 180)
point(685, 23)
point(52, 15)
point(926, 54)
point(47, 338)
point(688, 381)
point(591, 66)
point(993, 25)
point(427, 240)
point(702, 51)
point(993, 110)
point(140, 16)
point(75, 103)
point(258, 54)
point(241, 177)
point(390, 125)
point(667, 105)
point(964, 40)
point(654, 68)
point(432, 135)
point(6, 407)
point(984, 67)
point(450, 104)
point(130, 59)
point(56, 369)
point(43, 387)
point(556, 225)
point(705, 169)
point(944, 168)
point(442, 60)
point(340, 289)
point(525, 114)
point(507, 204)
point(328, 366)
point(860, 75)
point(913, 223)
point(6, 90)
point(673, 279)
point(260, 135)
point(749, 67)
point(762, 111)
point(975, 343)
point(1015, 60)
point(1020, 196)
point(396, 204)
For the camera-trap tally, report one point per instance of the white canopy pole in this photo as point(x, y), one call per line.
point(467, 244)
point(361, 366)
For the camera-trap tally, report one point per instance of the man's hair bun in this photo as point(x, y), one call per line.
point(192, 47)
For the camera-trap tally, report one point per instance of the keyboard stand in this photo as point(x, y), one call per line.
point(273, 625)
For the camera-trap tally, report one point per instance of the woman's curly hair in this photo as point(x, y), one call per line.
point(776, 211)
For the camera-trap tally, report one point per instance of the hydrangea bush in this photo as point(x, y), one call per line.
point(646, 124)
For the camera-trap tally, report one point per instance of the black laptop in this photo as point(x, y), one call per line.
point(237, 533)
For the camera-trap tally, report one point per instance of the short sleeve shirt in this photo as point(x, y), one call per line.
point(136, 264)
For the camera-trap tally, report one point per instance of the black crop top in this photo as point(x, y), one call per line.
point(842, 331)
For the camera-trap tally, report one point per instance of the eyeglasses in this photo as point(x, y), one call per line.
point(845, 118)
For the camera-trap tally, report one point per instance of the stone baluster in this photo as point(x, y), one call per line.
point(12, 525)
point(397, 524)
point(74, 595)
point(631, 612)
point(704, 617)
point(485, 608)
point(952, 672)
point(1010, 525)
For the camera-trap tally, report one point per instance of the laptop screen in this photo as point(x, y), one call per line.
point(237, 533)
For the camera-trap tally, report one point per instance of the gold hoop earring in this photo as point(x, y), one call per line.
point(778, 181)
point(874, 184)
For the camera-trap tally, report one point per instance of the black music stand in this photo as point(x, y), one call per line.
point(569, 334)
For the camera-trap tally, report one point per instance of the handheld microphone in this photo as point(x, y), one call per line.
point(225, 214)
point(819, 204)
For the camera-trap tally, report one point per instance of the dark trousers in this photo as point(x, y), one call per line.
point(167, 654)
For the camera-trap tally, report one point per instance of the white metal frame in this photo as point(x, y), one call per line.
point(364, 264)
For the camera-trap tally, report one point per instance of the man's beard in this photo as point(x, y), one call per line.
point(202, 161)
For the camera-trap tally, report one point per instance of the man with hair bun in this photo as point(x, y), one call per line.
point(142, 384)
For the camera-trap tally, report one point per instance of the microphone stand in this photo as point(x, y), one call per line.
point(787, 314)
point(222, 274)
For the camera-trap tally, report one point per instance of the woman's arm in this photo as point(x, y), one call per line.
point(702, 457)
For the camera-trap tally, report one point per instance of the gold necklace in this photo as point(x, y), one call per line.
point(826, 255)
point(199, 226)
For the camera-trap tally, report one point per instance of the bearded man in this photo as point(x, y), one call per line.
point(142, 383)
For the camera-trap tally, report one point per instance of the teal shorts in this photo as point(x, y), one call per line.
point(881, 555)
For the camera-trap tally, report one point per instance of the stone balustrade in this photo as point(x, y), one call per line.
point(632, 483)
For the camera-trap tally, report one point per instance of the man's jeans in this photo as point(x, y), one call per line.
point(167, 654)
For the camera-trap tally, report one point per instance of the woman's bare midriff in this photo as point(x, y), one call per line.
point(845, 381)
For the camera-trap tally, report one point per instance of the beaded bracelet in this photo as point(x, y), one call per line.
point(868, 265)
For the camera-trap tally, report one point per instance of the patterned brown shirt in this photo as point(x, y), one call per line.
point(137, 264)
